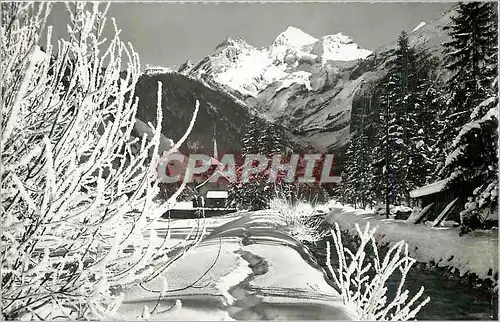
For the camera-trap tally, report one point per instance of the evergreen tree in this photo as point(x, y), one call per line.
point(348, 175)
point(401, 125)
point(357, 165)
point(423, 125)
point(474, 162)
point(470, 133)
point(261, 138)
point(407, 126)
point(387, 152)
point(250, 140)
point(394, 121)
point(469, 57)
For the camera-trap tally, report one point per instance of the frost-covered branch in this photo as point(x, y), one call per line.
point(77, 189)
point(363, 277)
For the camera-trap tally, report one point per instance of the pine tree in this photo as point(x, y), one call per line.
point(427, 103)
point(472, 115)
point(396, 127)
point(408, 107)
point(250, 138)
point(474, 162)
point(378, 129)
point(357, 165)
point(469, 55)
point(266, 139)
point(401, 126)
point(348, 175)
point(387, 152)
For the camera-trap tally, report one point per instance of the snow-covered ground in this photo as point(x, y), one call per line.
point(248, 270)
point(476, 252)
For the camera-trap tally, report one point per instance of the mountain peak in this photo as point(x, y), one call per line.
point(292, 29)
point(185, 67)
point(232, 42)
point(339, 38)
point(339, 47)
point(294, 37)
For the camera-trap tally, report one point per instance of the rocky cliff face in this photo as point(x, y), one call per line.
point(179, 95)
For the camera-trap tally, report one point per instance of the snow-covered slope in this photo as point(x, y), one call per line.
point(473, 253)
point(294, 38)
point(339, 47)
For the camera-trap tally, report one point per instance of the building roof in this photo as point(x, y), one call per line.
point(222, 194)
point(222, 175)
point(183, 205)
point(430, 189)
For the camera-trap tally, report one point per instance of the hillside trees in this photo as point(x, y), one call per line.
point(429, 128)
point(77, 189)
point(268, 140)
point(397, 139)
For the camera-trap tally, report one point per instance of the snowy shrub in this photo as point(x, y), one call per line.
point(480, 208)
point(77, 190)
point(363, 278)
point(474, 162)
point(295, 217)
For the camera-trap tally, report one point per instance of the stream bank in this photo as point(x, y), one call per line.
point(455, 295)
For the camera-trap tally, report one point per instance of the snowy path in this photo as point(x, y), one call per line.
point(260, 273)
point(476, 252)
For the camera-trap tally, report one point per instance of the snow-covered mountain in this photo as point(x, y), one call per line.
point(290, 59)
point(339, 47)
point(319, 111)
point(304, 83)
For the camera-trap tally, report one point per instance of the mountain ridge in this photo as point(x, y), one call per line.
point(293, 83)
point(248, 69)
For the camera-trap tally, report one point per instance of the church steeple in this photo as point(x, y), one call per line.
point(214, 139)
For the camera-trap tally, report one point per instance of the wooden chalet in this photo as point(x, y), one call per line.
point(439, 201)
point(214, 191)
point(211, 191)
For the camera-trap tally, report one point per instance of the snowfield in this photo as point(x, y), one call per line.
point(248, 270)
point(476, 252)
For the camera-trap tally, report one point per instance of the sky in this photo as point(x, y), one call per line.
point(167, 34)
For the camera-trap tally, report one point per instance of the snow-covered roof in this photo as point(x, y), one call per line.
point(430, 188)
point(217, 194)
point(183, 205)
